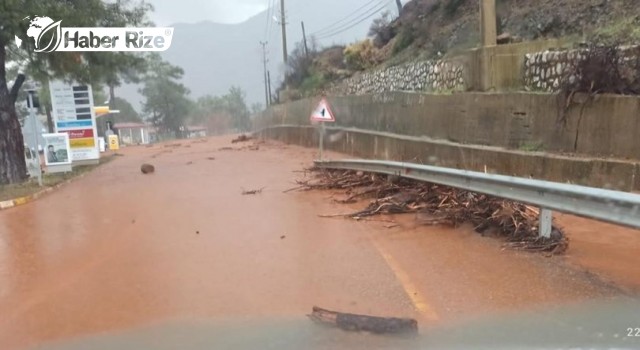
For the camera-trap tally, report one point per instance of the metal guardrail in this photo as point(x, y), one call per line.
point(615, 207)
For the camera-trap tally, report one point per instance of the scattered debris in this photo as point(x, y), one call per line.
point(197, 232)
point(252, 192)
point(147, 168)
point(242, 138)
point(293, 189)
point(173, 145)
point(189, 162)
point(226, 149)
point(118, 155)
point(283, 237)
point(211, 158)
point(439, 205)
point(363, 323)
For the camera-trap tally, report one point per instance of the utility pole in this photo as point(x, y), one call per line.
point(269, 85)
point(264, 63)
point(399, 4)
point(283, 21)
point(304, 39)
point(488, 25)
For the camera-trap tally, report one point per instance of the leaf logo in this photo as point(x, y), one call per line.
point(54, 33)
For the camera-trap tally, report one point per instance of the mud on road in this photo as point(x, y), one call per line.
point(118, 250)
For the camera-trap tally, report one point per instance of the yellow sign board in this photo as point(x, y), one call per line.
point(83, 143)
point(114, 143)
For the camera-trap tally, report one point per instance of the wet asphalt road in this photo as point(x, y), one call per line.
point(117, 250)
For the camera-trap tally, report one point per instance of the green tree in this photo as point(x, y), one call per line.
point(127, 112)
point(236, 105)
point(222, 113)
point(166, 100)
point(256, 108)
point(90, 67)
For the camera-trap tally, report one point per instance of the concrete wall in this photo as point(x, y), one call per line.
point(500, 126)
point(501, 67)
point(609, 126)
point(364, 144)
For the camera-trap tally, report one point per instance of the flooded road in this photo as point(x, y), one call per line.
point(117, 250)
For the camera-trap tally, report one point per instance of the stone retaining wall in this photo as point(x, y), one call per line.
point(438, 75)
point(548, 70)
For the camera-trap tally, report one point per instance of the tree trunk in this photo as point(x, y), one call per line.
point(50, 127)
point(399, 4)
point(13, 167)
point(112, 97)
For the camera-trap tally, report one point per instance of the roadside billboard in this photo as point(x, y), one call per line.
point(57, 149)
point(74, 115)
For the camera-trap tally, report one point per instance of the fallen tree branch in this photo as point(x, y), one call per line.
point(252, 192)
point(516, 222)
point(363, 323)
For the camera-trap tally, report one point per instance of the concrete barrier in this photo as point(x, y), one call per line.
point(608, 126)
point(610, 174)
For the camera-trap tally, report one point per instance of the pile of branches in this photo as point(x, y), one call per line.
point(434, 204)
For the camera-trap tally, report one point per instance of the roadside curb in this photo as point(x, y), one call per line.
point(12, 203)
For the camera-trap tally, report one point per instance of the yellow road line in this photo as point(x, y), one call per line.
point(412, 291)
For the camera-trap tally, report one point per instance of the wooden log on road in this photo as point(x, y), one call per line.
point(363, 323)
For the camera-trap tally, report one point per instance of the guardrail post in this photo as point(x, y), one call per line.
point(546, 220)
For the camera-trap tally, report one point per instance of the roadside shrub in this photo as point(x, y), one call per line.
point(381, 30)
point(601, 69)
point(605, 69)
point(404, 40)
point(361, 55)
point(313, 83)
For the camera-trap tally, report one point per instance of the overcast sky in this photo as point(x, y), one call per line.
point(168, 12)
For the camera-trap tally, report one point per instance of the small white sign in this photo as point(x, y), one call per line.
point(56, 149)
point(323, 112)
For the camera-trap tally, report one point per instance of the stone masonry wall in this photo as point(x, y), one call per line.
point(431, 76)
point(547, 70)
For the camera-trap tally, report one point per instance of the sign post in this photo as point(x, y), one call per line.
point(74, 115)
point(36, 134)
point(322, 114)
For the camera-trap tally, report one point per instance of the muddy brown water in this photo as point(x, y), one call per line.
point(117, 250)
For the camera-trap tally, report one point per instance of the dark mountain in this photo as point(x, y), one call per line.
point(216, 56)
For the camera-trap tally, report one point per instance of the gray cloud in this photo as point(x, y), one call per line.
point(190, 11)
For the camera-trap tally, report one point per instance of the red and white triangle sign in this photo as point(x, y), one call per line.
point(323, 113)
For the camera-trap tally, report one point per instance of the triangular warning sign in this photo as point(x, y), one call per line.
point(323, 113)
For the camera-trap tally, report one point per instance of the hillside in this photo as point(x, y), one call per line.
point(429, 29)
point(433, 26)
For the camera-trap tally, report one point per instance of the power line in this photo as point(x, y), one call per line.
point(269, 20)
point(348, 18)
point(353, 24)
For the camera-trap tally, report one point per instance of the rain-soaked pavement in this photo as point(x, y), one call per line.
point(117, 251)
